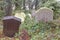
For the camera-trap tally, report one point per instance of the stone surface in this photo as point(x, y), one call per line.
point(20, 15)
point(11, 25)
point(44, 14)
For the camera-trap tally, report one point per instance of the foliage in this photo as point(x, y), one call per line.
point(1, 14)
point(52, 4)
point(39, 31)
point(55, 6)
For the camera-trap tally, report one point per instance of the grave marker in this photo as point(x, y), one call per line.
point(11, 25)
point(44, 14)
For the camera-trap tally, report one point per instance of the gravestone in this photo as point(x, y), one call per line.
point(11, 25)
point(24, 35)
point(20, 15)
point(44, 14)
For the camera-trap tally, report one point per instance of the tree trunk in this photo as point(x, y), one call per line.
point(36, 4)
point(8, 7)
point(16, 4)
point(23, 4)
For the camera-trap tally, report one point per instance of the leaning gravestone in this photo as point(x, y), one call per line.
point(11, 25)
point(44, 14)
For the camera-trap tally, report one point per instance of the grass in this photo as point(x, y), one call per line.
point(40, 31)
point(46, 35)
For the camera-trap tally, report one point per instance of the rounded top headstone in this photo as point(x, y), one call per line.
point(44, 14)
point(44, 9)
point(20, 15)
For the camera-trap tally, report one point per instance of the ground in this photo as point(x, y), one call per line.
point(47, 35)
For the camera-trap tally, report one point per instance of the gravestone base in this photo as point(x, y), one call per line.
point(11, 25)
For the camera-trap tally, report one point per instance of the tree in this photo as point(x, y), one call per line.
point(23, 4)
point(36, 4)
point(8, 7)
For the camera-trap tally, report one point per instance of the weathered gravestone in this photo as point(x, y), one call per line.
point(20, 15)
point(11, 25)
point(44, 14)
point(24, 35)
